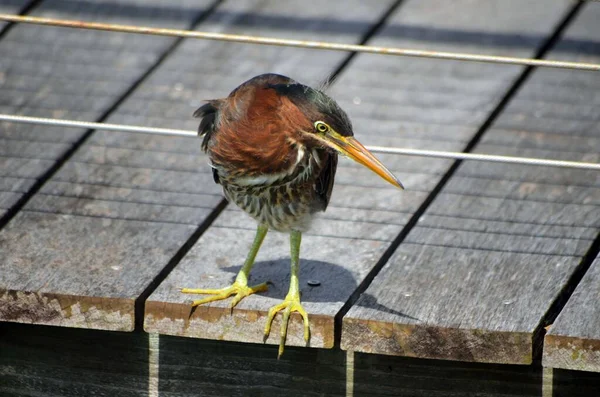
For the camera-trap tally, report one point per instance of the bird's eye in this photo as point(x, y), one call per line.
point(321, 127)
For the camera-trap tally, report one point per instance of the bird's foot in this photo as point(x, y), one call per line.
point(289, 305)
point(240, 290)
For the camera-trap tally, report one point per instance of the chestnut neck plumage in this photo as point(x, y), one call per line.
point(262, 152)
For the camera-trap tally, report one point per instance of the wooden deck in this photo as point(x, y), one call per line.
point(479, 279)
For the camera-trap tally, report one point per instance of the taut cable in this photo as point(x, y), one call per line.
point(376, 149)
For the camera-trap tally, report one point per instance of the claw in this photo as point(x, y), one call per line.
point(238, 289)
point(289, 305)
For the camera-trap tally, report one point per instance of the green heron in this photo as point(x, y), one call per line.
point(273, 145)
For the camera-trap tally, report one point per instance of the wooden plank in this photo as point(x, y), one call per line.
point(574, 339)
point(66, 362)
point(130, 201)
point(378, 375)
point(575, 383)
point(97, 234)
point(348, 240)
point(69, 73)
point(54, 361)
point(474, 279)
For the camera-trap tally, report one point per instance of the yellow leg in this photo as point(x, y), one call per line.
point(291, 303)
point(240, 287)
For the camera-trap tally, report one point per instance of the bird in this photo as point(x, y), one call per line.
point(273, 146)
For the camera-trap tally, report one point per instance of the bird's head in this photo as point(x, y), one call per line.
point(327, 125)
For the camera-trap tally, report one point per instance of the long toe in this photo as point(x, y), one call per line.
point(238, 290)
point(287, 307)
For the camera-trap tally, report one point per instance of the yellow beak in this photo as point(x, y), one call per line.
point(350, 147)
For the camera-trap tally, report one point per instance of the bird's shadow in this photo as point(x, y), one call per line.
point(319, 282)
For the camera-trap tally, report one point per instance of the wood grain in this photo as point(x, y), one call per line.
point(474, 278)
point(574, 339)
point(88, 244)
point(66, 362)
point(71, 74)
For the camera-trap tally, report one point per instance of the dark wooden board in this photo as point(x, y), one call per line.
point(72, 74)
point(365, 215)
point(56, 361)
point(567, 383)
point(573, 341)
point(474, 278)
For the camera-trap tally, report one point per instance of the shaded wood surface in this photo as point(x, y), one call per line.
point(475, 277)
point(43, 361)
point(55, 361)
point(574, 339)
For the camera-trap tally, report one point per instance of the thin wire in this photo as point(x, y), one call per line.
point(375, 149)
point(95, 126)
point(300, 43)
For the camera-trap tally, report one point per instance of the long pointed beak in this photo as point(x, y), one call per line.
point(351, 147)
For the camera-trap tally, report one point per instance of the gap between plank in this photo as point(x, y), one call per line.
point(546, 46)
point(26, 9)
point(562, 298)
point(71, 151)
point(364, 39)
point(162, 275)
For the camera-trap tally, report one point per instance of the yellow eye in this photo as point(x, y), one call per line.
point(321, 127)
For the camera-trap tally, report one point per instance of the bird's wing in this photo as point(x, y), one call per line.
point(208, 113)
point(324, 183)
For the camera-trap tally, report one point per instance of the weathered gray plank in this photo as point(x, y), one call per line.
point(68, 73)
point(365, 215)
point(473, 280)
point(574, 339)
point(97, 234)
point(218, 255)
point(116, 185)
point(67, 270)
